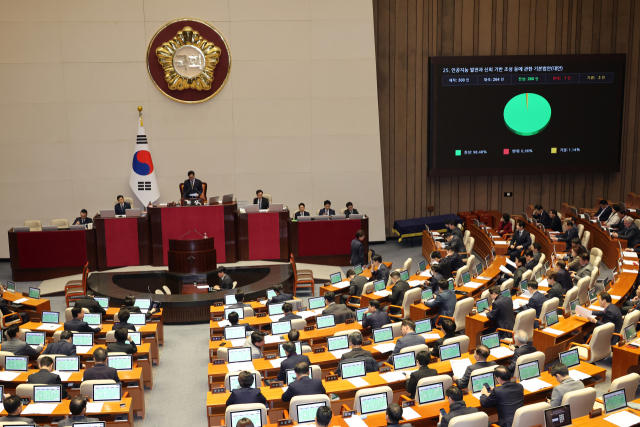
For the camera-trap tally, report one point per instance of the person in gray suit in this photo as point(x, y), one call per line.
point(340, 311)
point(225, 280)
point(355, 340)
point(455, 242)
point(17, 346)
point(457, 406)
point(566, 237)
point(445, 301)
point(78, 409)
point(409, 338)
point(567, 384)
point(13, 406)
point(480, 355)
point(629, 232)
point(585, 269)
point(357, 283)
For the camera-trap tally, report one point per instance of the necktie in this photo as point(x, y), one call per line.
point(259, 203)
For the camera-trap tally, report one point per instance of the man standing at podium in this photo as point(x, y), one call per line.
point(192, 187)
point(261, 201)
point(122, 206)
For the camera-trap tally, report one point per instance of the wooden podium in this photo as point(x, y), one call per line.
point(191, 256)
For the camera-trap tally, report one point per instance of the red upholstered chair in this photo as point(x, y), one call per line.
point(594, 210)
point(302, 279)
point(203, 196)
point(76, 289)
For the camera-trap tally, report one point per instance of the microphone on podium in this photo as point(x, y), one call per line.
point(198, 233)
point(184, 234)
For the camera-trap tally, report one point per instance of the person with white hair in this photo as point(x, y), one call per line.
point(630, 233)
point(519, 347)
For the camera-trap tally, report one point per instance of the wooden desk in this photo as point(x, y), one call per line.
point(601, 239)
point(256, 322)
point(366, 273)
point(140, 358)
point(219, 310)
point(156, 318)
point(121, 242)
point(575, 328)
point(35, 306)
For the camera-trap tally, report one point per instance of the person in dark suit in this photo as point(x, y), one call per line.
point(192, 186)
point(555, 290)
point(357, 249)
point(630, 233)
point(301, 211)
point(82, 219)
point(571, 233)
point(78, 409)
point(616, 220)
point(122, 206)
point(340, 311)
point(530, 262)
point(516, 275)
point(424, 371)
point(604, 212)
point(356, 283)
point(287, 309)
point(122, 335)
point(536, 300)
point(454, 242)
point(445, 266)
point(324, 416)
point(541, 216)
point(355, 341)
point(234, 319)
point(375, 318)
point(291, 361)
point(303, 385)
point(262, 202)
point(481, 354)
point(327, 209)
point(64, 346)
point(408, 339)
point(453, 228)
point(13, 406)
point(631, 304)
point(123, 321)
point(280, 295)
point(453, 259)
point(555, 224)
point(400, 287)
point(445, 301)
point(18, 347)
point(520, 241)
point(508, 397)
point(449, 328)
point(433, 281)
point(100, 370)
point(394, 416)
point(457, 406)
point(246, 394)
point(501, 311)
point(379, 270)
point(610, 314)
point(5, 309)
point(350, 210)
point(225, 280)
point(44, 375)
point(76, 324)
point(239, 300)
point(90, 304)
point(130, 304)
point(520, 348)
point(564, 278)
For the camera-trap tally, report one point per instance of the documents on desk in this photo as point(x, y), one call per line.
point(237, 343)
point(552, 331)
point(519, 303)
point(49, 327)
point(483, 278)
point(623, 418)
point(341, 285)
point(473, 285)
point(595, 308)
point(500, 352)
point(270, 339)
point(625, 262)
point(276, 362)
point(83, 348)
point(263, 302)
point(306, 314)
point(393, 377)
point(534, 384)
point(358, 382)
point(584, 313)
point(629, 254)
point(500, 242)
point(426, 273)
point(64, 376)
point(409, 413)
point(505, 269)
point(383, 293)
point(21, 300)
point(224, 323)
point(276, 317)
point(240, 366)
point(338, 353)
point(383, 348)
point(615, 296)
point(94, 407)
point(430, 336)
point(459, 366)
point(39, 408)
point(355, 421)
point(544, 283)
point(8, 375)
point(414, 283)
point(577, 375)
point(626, 270)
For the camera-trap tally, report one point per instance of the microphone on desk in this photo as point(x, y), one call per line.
point(198, 233)
point(184, 234)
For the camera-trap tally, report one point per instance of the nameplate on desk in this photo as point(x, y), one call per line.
point(348, 414)
point(216, 338)
point(368, 342)
point(348, 321)
point(217, 319)
point(260, 299)
point(369, 291)
point(384, 369)
point(408, 403)
point(274, 355)
point(219, 390)
point(218, 304)
point(218, 362)
point(302, 309)
point(331, 378)
point(287, 422)
point(595, 413)
point(276, 384)
point(261, 314)
point(309, 328)
point(319, 350)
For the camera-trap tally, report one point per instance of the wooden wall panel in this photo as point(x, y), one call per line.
point(409, 32)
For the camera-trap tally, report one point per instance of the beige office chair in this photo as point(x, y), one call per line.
point(444, 379)
point(507, 284)
point(298, 324)
point(524, 322)
point(460, 313)
point(86, 387)
point(407, 265)
point(128, 200)
point(527, 275)
point(410, 297)
point(549, 305)
point(3, 355)
point(227, 379)
point(627, 382)
point(318, 212)
point(583, 290)
point(34, 225)
point(580, 401)
point(478, 419)
point(111, 336)
point(535, 270)
point(222, 354)
point(396, 327)
point(594, 278)
point(56, 336)
point(304, 400)
point(586, 236)
point(471, 261)
point(246, 407)
point(159, 292)
point(23, 337)
point(68, 316)
point(631, 319)
point(268, 197)
point(599, 345)
point(465, 238)
point(61, 223)
point(26, 390)
point(415, 348)
point(463, 340)
point(370, 391)
point(248, 312)
point(526, 358)
point(533, 238)
point(487, 294)
point(571, 295)
point(530, 415)
point(486, 370)
point(593, 253)
point(461, 271)
point(168, 291)
point(347, 332)
point(343, 211)
point(580, 231)
point(469, 246)
point(597, 261)
point(53, 356)
point(306, 349)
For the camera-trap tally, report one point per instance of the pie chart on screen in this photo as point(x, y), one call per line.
point(527, 114)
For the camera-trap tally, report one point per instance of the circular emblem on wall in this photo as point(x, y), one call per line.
point(188, 61)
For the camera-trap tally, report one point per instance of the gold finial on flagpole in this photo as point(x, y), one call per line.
point(140, 113)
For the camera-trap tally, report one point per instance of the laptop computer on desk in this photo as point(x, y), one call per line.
point(251, 208)
point(227, 198)
point(132, 213)
point(276, 207)
point(107, 213)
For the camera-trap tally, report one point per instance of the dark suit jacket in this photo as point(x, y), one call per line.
point(464, 381)
point(611, 314)
point(280, 298)
point(264, 204)
point(61, 347)
point(197, 188)
point(523, 239)
point(381, 273)
point(455, 261)
point(412, 381)
point(456, 243)
point(555, 224)
point(340, 312)
point(130, 348)
point(90, 304)
point(520, 351)
point(556, 291)
point(358, 282)
point(457, 232)
point(375, 320)
point(290, 316)
point(456, 409)
point(502, 313)
point(45, 377)
point(370, 364)
point(79, 221)
point(347, 213)
point(79, 326)
point(435, 346)
point(433, 282)
point(408, 340)
point(297, 214)
point(129, 326)
point(567, 236)
point(303, 386)
point(564, 278)
point(543, 219)
point(101, 372)
point(356, 353)
point(507, 398)
point(289, 363)
point(246, 395)
point(517, 276)
point(357, 252)
point(120, 210)
point(331, 211)
point(398, 291)
point(445, 302)
point(535, 302)
point(531, 264)
point(631, 235)
point(226, 282)
point(604, 214)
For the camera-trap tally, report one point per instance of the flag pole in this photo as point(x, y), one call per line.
point(140, 114)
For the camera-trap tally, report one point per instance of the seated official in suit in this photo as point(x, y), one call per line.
point(555, 224)
point(609, 314)
point(327, 209)
point(246, 394)
point(615, 217)
point(530, 263)
point(576, 243)
point(88, 302)
point(573, 259)
point(586, 269)
point(123, 321)
point(535, 248)
point(453, 259)
point(192, 187)
point(501, 311)
point(520, 262)
point(565, 384)
point(130, 304)
point(445, 301)
point(45, 376)
point(355, 341)
point(520, 348)
point(630, 233)
point(256, 343)
point(555, 290)
point(78, 409)
point(631, 304)
point(536, 300)
point(541, 216)
point(239, 300)
point(13, 406)
point(379, 270)
point(122, 206)
point(303, 385)
point(454, 229)
point(324, 415)
point(280, 295)
point(400, 287)
point(301, 211)
point(5, 309)
point(225, 280)
point(287, 309)
point(507, 398)
point(82, 219)
point(454, 242)
point(357, 250)
point(445, 265)
point(262, 202)
point(350, 210)
point(293, 335)
point(409, 338)
point(234, 319)
point(435, 278)
point(481, 354)
point(121, 345)
point(76, 324)
point(375, 318)
point(457, 406)
point(394, 416)
point(18, 347)
point(356, 283)
point(505, 226)
point(520, 241)
point(64, 346)
point(604, 211)
point(424, 371)
point(449, 328)
point(340, 311)
point(291, 361)
point(572, 232)
point(564, 278)
point(100, 371)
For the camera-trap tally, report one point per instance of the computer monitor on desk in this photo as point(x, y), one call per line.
point(107, 213)
point(132, 213)
point(276, 207)
point(356, 216)
point(251, 208)
point(227, 198)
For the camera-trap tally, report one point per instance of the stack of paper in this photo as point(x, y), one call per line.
point(318, 310)
point(202, 286)
point(270, 339)
point(473, 285)
point(392, 377)
point(615, 296)
point(414, 283)
point(544, 283)
point(358, 382)
point(426, 273)
point(21, 300)
point(500, 352)
point(383, 293)
point(263, 302)
point(341, 285)
point(483, 314)
point(237, 343)
point(519, 303)
point(553, 331)
point(276, 362)
point(534, 384)
point(94, 407)
point(306, 314)
point(625, 262)
point(430, 336)
point(224, 323)
point(355, 421)
point(459, 366)
point(382, 348)
point(626, 270)
point(276, 317)
point(483, 278)
point(499, 242)
point(409, 413)
point(477, 395)
point(577, 375)
point(240, 366)
point(83, 348)
point(49, 326)
point(621, 419)
point(39, 408)
point(64, 376)
point(338, 353)
point(627, 254)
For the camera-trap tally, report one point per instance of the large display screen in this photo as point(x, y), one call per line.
point(530, 114)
